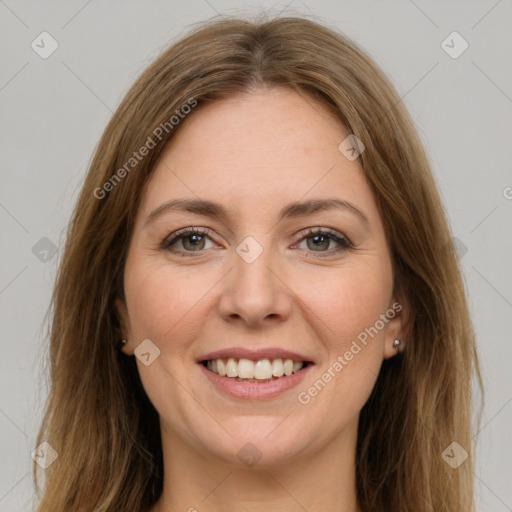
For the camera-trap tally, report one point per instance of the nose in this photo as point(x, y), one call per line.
point(254, 293)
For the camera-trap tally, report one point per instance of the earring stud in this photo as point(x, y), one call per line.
point(396, 344)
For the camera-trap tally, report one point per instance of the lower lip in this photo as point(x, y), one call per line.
point(253, 390)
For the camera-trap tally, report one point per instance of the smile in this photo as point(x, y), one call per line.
point(254, 379)
point(246, 370)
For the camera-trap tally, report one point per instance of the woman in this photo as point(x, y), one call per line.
point(259, 306)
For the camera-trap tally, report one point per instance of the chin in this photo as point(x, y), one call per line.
point(256, 444)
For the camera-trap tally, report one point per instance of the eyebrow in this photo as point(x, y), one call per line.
point(291, 210)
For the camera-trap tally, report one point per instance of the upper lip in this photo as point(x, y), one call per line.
point(253, 354)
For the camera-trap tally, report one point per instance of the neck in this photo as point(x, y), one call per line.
point(323, 480)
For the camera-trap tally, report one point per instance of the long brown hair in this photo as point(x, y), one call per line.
point(98, 417)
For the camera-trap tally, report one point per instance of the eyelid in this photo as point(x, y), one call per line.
point(342, 240)
point(325, 231)
point(182, 233)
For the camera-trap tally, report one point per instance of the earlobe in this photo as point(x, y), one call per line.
point(120, 345)
point(399, 345)
point(124, 334)
point(398, 328)
point(397, 348)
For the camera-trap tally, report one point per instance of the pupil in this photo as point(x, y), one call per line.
point(318, 239)
point(193, 241)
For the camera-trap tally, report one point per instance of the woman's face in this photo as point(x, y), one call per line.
point(285, 258)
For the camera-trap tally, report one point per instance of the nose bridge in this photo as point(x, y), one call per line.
point(253, 290)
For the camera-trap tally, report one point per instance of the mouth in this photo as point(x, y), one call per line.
point(255, 371)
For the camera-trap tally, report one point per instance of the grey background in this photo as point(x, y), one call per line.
point(54, 110)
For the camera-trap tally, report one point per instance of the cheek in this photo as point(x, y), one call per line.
point(349, 299)
point(162, 303)
point(350, 306)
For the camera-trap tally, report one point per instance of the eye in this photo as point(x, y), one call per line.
point(190, 239)
point(194, 240)
point(322, 239)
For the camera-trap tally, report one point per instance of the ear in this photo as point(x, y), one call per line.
point(125, 331)
point(398, 325)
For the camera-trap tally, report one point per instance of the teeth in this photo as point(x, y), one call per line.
point(254, 371)
point(277, 368)
point(231, 368)
point(263, 369)
point(221, 367)
point(246, 369)
point(297, 365)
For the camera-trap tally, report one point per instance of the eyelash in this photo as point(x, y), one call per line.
point(171, 239)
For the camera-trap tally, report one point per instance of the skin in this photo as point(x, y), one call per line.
point(255, 153)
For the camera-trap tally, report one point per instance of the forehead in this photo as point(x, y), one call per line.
point(259, 149)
